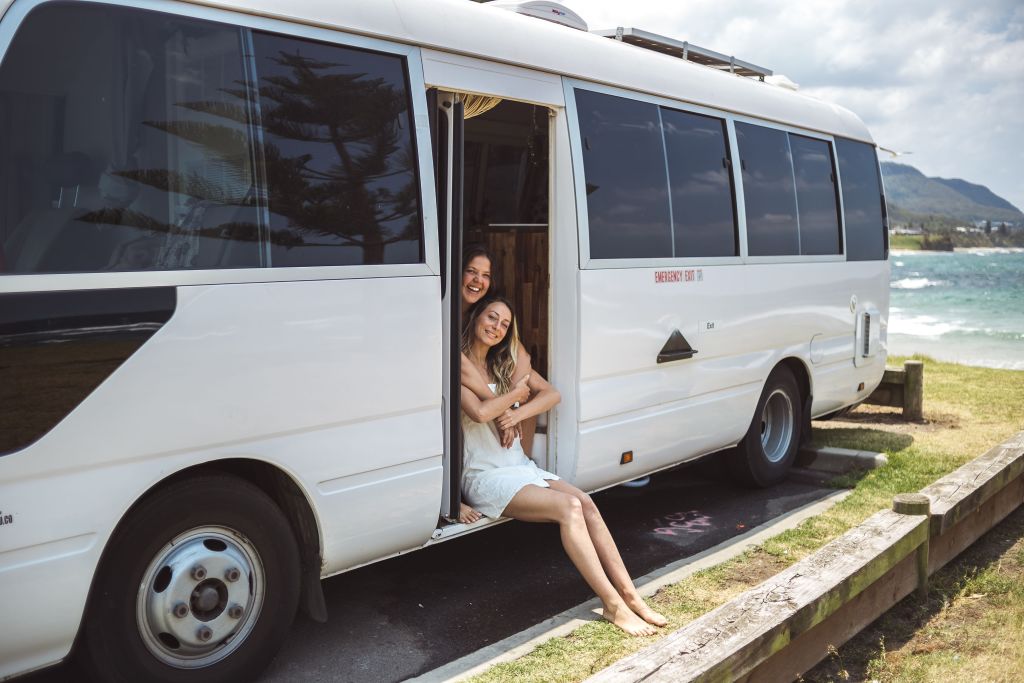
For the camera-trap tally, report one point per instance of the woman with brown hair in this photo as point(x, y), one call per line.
point(501, 481)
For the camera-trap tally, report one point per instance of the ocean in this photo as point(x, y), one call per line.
point(964, 306)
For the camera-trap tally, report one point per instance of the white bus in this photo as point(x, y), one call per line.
point(229, 276)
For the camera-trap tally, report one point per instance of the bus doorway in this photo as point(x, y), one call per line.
point(505, 208)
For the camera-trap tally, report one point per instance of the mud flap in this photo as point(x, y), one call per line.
point(805, 456)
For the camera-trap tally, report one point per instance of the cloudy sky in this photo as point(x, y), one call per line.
point(943, 79)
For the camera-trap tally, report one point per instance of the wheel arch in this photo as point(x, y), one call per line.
point(802, 374)
point(282, 489)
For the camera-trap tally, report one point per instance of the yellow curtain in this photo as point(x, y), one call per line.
point(474, 105)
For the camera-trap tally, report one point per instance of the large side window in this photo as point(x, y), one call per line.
point(789, 190)
point(703, 211)
point(657, 179)
point(627, 188)
point(768, 190)
point(338, 148)
point(863, 201)
point(818, 207)
point(137, 140)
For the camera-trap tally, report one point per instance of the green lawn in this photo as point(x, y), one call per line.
point(967, 411)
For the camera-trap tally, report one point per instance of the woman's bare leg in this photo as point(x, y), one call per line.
point(536, 504)
point(609, 555)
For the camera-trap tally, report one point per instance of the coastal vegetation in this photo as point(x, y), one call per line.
point(942, 214)
point(967, 410)
point(947, 240)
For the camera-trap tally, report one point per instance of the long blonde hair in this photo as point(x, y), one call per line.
point(501, 358)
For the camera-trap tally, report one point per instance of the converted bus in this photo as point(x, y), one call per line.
point(230, 237)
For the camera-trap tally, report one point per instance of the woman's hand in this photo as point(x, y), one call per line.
point(508, 420)
point(520, 391)
point(508, 437)
point(468, 515)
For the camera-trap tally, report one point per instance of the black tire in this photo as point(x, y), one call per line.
point(767, 452)
point(217, 522)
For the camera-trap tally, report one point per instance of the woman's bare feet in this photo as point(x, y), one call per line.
point(627, 621)
point(468, 515)
point(640, 608)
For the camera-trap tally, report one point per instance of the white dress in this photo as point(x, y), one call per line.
point(492, 475)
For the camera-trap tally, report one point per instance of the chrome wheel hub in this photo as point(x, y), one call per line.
point(777, 426)
point(200, 597)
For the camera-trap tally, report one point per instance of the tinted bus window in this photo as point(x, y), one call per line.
point(703, 209)
point(338, 147)
point(627, 188)
point(816, 195)
point(124, 144)
point(768, 191)
point(136, 140)
point(863, 201)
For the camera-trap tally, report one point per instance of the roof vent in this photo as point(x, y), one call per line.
point(542, 9)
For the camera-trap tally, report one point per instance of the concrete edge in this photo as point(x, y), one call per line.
point(842, 460)
point(519, 644)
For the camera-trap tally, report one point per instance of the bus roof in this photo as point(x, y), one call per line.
point(472, 29)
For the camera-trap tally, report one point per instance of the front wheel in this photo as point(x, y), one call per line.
point(766, 453)
point(200, 584)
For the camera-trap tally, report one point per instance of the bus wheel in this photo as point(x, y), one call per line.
point(200, 583)
point(766, 453)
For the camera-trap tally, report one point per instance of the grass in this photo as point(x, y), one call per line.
point(905, 241)
point(971, 627)
point(967, 411)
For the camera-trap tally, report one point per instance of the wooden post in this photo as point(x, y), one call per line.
point(913, 390)
point(916, 504)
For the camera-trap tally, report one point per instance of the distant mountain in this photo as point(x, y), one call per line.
point(908, 190)
point(979, 194)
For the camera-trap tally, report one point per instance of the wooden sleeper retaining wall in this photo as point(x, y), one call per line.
point(783, 627)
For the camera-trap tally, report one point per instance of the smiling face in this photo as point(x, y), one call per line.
point(493, 324)
point(476, 279)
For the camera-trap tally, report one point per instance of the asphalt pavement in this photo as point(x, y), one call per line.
point(408, 615)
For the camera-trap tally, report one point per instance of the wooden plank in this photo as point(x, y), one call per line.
point(959, 493)
point(894, 376)
point(970, 528)
point(729, 642)
point(886, 395)
point(812, 646)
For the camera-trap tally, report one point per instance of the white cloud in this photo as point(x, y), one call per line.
point(941, 78)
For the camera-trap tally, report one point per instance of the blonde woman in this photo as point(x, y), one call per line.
point(499, 481)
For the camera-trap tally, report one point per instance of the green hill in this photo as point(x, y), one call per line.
point(908, 191)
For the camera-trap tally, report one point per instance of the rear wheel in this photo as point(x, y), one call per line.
point(200, 583)
point(766, 453)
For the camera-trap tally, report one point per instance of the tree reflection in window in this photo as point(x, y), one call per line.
point(201, 145)
point(339, 157)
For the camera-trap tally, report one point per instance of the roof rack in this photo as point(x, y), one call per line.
point(685, 50)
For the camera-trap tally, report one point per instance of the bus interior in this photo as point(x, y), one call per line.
point(505, 208)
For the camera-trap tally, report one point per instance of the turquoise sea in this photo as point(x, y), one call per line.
point(964, 306)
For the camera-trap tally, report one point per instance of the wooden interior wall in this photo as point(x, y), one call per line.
point(515, 232)
point(520, 274)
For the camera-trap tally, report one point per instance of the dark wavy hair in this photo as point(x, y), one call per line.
point(501, 358)
point(471, 251)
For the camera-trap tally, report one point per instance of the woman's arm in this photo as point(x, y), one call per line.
point(470, 378)
point(485, 411)
point(522, 365)
point(545, 397)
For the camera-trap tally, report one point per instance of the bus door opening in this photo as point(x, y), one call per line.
point(505, 208)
